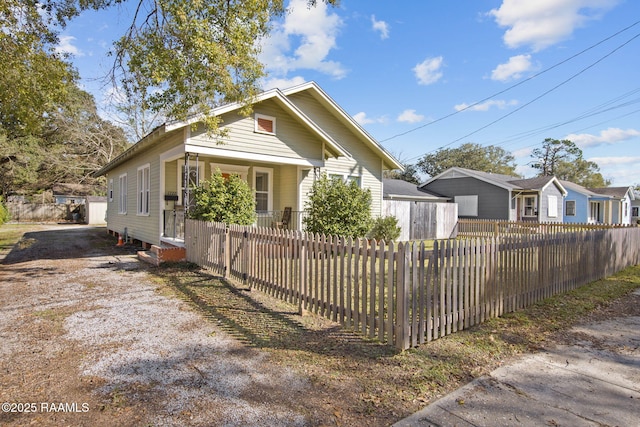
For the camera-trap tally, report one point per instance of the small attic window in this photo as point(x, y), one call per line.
point(265, 124)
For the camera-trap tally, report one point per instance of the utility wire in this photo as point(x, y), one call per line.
point(512, 86)
point(528, 103)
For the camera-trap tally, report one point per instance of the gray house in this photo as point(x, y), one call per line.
point(483, 195)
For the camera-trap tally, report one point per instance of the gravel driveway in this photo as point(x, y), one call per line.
point(88, 339)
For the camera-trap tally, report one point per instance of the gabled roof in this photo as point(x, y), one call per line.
point(507, 182)
point(615, 192)
point(578, 188)
point(399, 189)
point(280, 97)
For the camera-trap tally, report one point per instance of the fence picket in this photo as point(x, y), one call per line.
point(402, 293)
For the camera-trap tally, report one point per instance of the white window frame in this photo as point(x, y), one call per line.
point(269, 172)
point(264, 117)
point(110, 191)
point(635, 211)
point(467, 205)
point(122, 194)
point(533, 207)
point(192, 164)
point(567, 211)
point(144, 189)
point(552, 206)
point(346, 178)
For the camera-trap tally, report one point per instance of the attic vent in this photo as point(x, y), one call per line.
point(265, 124)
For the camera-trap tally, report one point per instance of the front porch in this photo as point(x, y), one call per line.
point(173, 223)
point(278, 188)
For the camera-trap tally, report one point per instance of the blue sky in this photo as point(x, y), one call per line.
point(423, 75)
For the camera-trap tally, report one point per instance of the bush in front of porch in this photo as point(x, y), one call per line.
point(226, 199)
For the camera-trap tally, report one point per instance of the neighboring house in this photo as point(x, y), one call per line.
point(582, 206)
point(292, 137)
point(635, 207)
point(397, 189)
point(70, 193)
point(483, 195)
point(616, 209)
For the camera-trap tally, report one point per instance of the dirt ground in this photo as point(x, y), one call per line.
point(92, 337)
point(87, 339)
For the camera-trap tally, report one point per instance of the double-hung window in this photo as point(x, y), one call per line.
point(143, 189)
point(530, 205)
point(263, 186)
point(122, 194)
point(570, 208)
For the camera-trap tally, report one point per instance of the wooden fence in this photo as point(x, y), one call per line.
point(403, 293)
point(488, 228)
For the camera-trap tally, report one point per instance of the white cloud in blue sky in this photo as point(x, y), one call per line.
point(303, 41)
point(410, 116)
point(381, 27)
point(429, 71)
point(66, 46)
point(487, 105)
point(542, 23)
point(606, 136)
point(512, 69)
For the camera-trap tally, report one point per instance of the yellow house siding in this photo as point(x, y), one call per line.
point(140, 227)
point(291, 139)
point(364, 162)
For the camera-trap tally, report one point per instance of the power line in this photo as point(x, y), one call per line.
point(534, 99)
point(512, 86)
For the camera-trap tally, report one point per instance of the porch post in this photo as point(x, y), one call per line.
point(185, 185)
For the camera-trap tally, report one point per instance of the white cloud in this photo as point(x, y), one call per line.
point(272, 83)
point(428, 71)
point(607, 136)
point(523, 152)
point(66, 46)
point(543, 23)
point(410, 116)
point(380, 26)
point(303, 41)
point(362, 119)
point(513, 69)
point(485, 106)
point(614, 161)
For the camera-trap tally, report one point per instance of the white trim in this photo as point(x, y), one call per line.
point(241, 155)
point(123, 195)
point(269, 172)
point(143, 186)
point(346, 177)
point(257, 129)
point(110, 190)
point(524, 206)
point(243, 171)
point(566, 207)
point(552, 206)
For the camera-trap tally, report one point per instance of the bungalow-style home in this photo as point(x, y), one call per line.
point(583, 206)
point(397, 189)
point(483, 195)
point(616, 209)
point(291, 138)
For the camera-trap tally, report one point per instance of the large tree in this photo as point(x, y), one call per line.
point(564, 160)
point(488, 158)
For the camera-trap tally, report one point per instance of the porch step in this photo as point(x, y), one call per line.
point(159, 254)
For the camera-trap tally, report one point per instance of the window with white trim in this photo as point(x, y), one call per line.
point(635, 211)
point(552, 206)
point(467, 205)
point(530, 206)
point(263, 187)
point(143, 189)
point(122, 194)
point(347, 178)
point(227, 170)
point(570, 208)
point(265, 124)
point(110, 191)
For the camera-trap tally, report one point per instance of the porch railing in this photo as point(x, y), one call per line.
point(174, 222)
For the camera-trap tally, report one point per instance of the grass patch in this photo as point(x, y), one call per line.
point(369, 380)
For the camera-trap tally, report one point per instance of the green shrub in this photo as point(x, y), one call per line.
point(220, 199)
point(4, 212)
point(385, 228)
point(336, 207)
